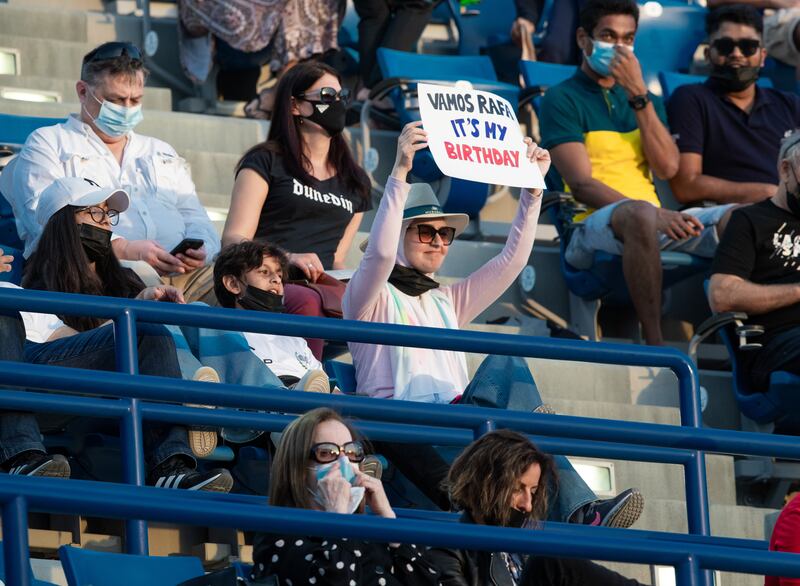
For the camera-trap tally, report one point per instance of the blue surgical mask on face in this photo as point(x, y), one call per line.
point(115, 120)
point(600, 59)
point(345, 467)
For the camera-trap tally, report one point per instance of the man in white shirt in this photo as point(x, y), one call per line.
point(249, 275)
point(99, 144)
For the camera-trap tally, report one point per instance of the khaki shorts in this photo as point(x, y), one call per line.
point(197, 285)
point(779, 35)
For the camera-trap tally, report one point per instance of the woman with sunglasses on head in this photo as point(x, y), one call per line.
point(316, 467)
point(395, 283)
point(301, 189)
point(503, 480)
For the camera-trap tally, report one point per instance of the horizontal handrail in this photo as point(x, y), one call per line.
point(372, 333)
point(151, 388)
point(125, 501)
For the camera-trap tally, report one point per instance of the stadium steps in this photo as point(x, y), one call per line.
point(213, 172)
point(68, 24)
point(94, 5)
point(183, 131)
point(155, 98)
point(55, 58)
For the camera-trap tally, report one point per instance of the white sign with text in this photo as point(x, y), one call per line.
point(475, 135)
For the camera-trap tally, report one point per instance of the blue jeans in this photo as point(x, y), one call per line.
point(19, 432)
point(509, 379)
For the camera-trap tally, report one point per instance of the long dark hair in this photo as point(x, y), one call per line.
point(485, 475)
point(285, 138)
point(60, 265)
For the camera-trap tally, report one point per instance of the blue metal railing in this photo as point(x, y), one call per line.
point(456, 425)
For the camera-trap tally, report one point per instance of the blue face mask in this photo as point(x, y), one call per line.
point(345, 467)
point(600, 59)
point(115, 120)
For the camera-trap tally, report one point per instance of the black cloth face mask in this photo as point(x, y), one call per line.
point(411, 281)
point(517, 518)
point(260, 300)
point(734, 79)
point(96, 242)
point(330, 116)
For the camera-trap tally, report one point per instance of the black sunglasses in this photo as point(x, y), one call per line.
point(112, 51)
point(327, 452)
point(725, 46)
point(327, 95)
point(427, 234)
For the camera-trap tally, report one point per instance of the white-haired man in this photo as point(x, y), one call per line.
point(757, 270)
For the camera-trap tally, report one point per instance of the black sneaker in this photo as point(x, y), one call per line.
point(621, 512)
point(175, 473)
point(39, 464)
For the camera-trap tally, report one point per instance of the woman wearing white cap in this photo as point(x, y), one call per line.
point(74, 255)
point(394, 283)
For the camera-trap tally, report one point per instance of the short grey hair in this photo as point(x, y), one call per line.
point(790, 147)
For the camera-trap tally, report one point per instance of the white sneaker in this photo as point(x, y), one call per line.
point(314, 381)
point(203, 439)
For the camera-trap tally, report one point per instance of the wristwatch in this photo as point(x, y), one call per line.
point(639, 102)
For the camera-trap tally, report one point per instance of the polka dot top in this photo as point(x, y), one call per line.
point(297, 561)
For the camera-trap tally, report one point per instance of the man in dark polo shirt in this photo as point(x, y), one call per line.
point(728, 129)
point(608, 136)
point(757, 270)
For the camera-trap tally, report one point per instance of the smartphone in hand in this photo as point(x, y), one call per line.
point(186, 244)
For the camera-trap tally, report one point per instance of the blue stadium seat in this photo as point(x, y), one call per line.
point(670, 81)
point(14, 131)
point(401, 71)
point(669, 33)
point(780, 401)
point(83, 567)
point(342, 374)
point(33, 581)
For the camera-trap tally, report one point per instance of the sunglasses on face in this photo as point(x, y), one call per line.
point(326, 95)
point(427, 234)
point(114, 50)
point(725, 46)
point(327, 452)
point(99, 214)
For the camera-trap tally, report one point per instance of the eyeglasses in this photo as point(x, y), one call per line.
point(427, 234)
point(725, 46)
point(112, 51)
point(327, 95)
point(99, 214)
point(327, 452)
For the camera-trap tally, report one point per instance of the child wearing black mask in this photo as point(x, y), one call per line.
point(249, 275)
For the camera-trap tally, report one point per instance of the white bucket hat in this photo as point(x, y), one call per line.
point(79, 192)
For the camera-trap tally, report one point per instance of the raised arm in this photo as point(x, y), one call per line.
point(478, 291)
point(384, 237)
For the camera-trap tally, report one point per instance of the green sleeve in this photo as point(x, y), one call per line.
point(559, 119)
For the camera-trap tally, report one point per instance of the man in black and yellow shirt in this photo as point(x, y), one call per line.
point(606, 135)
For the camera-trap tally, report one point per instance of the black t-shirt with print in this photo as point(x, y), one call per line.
point(299, 217)
point(762, 244)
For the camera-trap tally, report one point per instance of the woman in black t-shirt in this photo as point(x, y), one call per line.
point(301, 189)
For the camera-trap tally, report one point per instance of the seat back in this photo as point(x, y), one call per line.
point(343, 374)
point(544, 75)
point(482, 25)
point(82, 567)
point(668, 35)
point(14, 130)
point(31, 579)
point(435, 67)
point(671, 80)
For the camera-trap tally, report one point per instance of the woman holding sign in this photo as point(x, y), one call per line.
point(302, 190)
point(395, 283)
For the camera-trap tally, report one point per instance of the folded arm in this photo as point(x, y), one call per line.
point(733, 293)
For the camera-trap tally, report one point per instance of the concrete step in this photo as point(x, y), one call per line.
point(55, 58)
point(43, 22)
point(62, 5)
point(213, 172)
point(616, 411)
point(183, 131)
point(155, 98)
